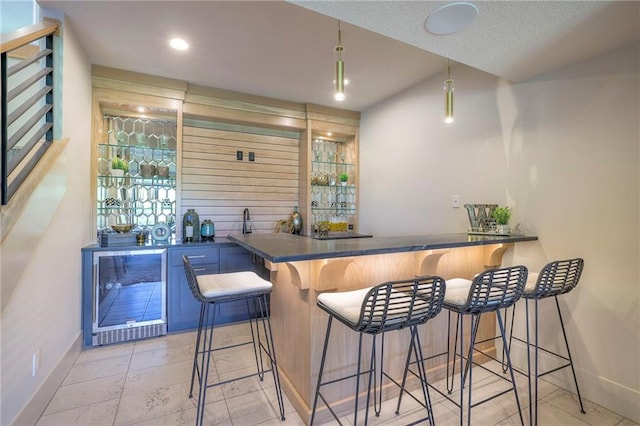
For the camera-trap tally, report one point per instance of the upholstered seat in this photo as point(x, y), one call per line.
point(232, 285)
point(556, 278)
point(375, 310)
point(489, 291)
point(212, 290)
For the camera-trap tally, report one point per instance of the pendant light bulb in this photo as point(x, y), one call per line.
point(339, 95)
point(448, 96)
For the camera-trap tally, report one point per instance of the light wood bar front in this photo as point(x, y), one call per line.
point(301, 268)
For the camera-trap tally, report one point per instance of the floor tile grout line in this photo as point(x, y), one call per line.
point(124, 385)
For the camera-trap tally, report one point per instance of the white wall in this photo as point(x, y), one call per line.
point(41, 273)
point(563, 150)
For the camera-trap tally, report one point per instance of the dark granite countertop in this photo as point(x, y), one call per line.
point(288, 248)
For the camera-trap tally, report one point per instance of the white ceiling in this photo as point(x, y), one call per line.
point(282, 50)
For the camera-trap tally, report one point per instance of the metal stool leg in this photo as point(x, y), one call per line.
point(415, 348)
point(255, 339)
point(358, 372)
point(271, 349)
point(324, 357)
point(195, 354)
point(509, 365)
point(206, 360)
point(532, 421)
point(573, 371)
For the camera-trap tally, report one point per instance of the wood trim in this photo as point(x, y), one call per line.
point(332, 114)
point(331, 273)
point(300, 274)
point(208, 112)
point(10, 213)
point(244, 106)
point(427, 261)
point(137, 88)
point(493, 254)
point(107, 73)
point(26, 35)
point(202, 92)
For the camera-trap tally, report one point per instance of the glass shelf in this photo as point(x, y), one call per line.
point(146, 195)
point(334, 186)
point(136, 147)
point(139, 180)
point(334, 209)
point(332, 163)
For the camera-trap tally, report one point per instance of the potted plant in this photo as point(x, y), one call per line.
point(344, 178)
point(118, 167)
point(502, 216)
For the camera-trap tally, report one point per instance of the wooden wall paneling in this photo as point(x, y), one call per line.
point(219, 187)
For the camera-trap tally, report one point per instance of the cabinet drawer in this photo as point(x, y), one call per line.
point(197, 255)
point(204, 269)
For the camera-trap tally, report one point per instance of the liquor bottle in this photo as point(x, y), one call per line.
point(188, 226)
point(296, 221)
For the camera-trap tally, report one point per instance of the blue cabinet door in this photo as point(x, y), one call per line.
point(234, 259)
point(183, 310)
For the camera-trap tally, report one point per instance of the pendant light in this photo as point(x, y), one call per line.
point(339, 95)
point(448, 95)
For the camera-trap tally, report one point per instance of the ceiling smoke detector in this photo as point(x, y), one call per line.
point(451, 18)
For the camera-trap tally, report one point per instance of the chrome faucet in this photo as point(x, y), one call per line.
point(245, 220)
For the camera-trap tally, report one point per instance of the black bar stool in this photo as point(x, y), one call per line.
point(211, 291)
point(386, 307)
point(489, 291)
point(556, 278)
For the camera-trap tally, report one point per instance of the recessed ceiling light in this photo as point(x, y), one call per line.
point(140, 109)
point(451, 18)
point(178, 44)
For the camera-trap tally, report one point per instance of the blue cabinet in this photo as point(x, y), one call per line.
point(183, 311)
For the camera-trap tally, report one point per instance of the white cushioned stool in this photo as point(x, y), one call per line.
point(386, 307)
point(212, 290)
point(554, 279)
point(489, 291)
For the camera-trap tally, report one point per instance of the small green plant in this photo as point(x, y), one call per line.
point(344, 177)
point(119, 163)
point(502, 215)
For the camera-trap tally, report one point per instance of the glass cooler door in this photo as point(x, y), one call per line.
point(129, 295)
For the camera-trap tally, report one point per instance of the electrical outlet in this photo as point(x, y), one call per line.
point(35, 363)
point(455, 201)
point(252, 156)
point(239, 155)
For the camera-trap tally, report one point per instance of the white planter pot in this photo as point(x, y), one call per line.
point(503, 229)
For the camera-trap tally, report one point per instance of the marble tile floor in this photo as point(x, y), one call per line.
point(146, 383)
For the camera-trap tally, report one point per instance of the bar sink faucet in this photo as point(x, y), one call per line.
point(246, 226)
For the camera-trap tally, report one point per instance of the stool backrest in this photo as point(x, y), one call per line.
point(558, 277)
point(192, 279)
point(399, 304)
point(496, 289)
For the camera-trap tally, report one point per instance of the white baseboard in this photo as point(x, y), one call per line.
point(32, 411)
point(600, 390)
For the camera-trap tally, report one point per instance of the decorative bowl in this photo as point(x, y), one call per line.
point(122, 228)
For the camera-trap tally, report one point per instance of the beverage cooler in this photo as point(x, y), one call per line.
point(128, 295)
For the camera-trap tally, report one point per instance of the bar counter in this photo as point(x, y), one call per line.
point(303, 267)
